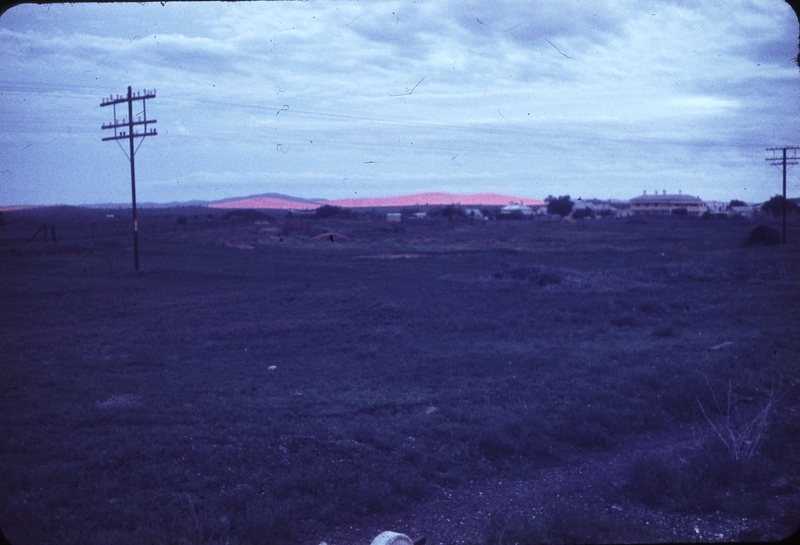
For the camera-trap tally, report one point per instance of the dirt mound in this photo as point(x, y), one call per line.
point(331, 235)
point(766, 236)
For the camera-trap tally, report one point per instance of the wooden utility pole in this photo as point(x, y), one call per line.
point(783, 159)
point(130, 135)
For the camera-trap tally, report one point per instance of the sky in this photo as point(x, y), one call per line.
point(595, 99)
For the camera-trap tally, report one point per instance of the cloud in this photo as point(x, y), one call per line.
point(631, 92)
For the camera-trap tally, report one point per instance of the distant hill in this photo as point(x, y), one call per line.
point(271, 201)
point(278, 201)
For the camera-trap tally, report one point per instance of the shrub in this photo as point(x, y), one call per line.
point(764, 235)
point(705, 481)
point(182, 220)
point(561, 205)
point(452, 211)
point(740, 435)
point(679, 212)
point(329, 211)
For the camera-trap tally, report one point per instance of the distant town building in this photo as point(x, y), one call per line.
point(716, 207)
point(747, 211)
point(474, 213)
point(394, 217)
point(599, 208)
point(516, 209)
point(664, 205)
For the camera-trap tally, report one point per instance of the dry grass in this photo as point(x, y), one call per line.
point(741, 435)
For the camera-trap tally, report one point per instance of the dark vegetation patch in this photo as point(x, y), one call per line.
point(272, 395)
point(539, 276)
point(247, 215)
point(330, 211)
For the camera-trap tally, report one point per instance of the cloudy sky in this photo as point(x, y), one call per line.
point(346, 99)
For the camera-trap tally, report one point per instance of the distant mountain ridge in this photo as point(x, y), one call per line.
point(280, 196)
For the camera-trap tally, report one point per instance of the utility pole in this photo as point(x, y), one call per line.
point(783, 159)
point(130, 135)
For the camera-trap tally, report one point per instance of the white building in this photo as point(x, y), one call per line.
point(663, 204)
point(516, 209)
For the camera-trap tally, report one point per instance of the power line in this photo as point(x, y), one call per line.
point(130, 135)
point(784, 160)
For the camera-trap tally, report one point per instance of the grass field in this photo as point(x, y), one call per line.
point(266, 382)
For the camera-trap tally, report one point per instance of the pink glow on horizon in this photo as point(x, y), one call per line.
point(417, 199)
point(477, 199)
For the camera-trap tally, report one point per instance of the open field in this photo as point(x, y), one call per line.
point(300, 380)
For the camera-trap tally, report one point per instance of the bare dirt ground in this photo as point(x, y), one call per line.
point(590, 484)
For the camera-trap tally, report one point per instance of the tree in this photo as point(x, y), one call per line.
point(452, 211)
point(561, 205)
point(774, 206)
point(736, 202)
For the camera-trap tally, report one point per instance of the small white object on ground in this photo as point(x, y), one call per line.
point(392, 538)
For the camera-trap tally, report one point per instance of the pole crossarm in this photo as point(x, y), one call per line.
point(777, 158)
point(123, 136)
point(119, 99)
point(115, 125)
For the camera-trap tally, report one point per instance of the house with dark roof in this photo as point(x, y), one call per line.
point(661, 204)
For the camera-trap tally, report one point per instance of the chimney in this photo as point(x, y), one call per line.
point(645, 192)
point(665, 192)
point(679, 192)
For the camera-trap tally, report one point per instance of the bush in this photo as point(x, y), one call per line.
point(561, 205)
point(182, 220)
point(705, 481)
point(452, 211)
point(764, 235)
point(329, 211)
point(679, 212)
point(581, 213)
